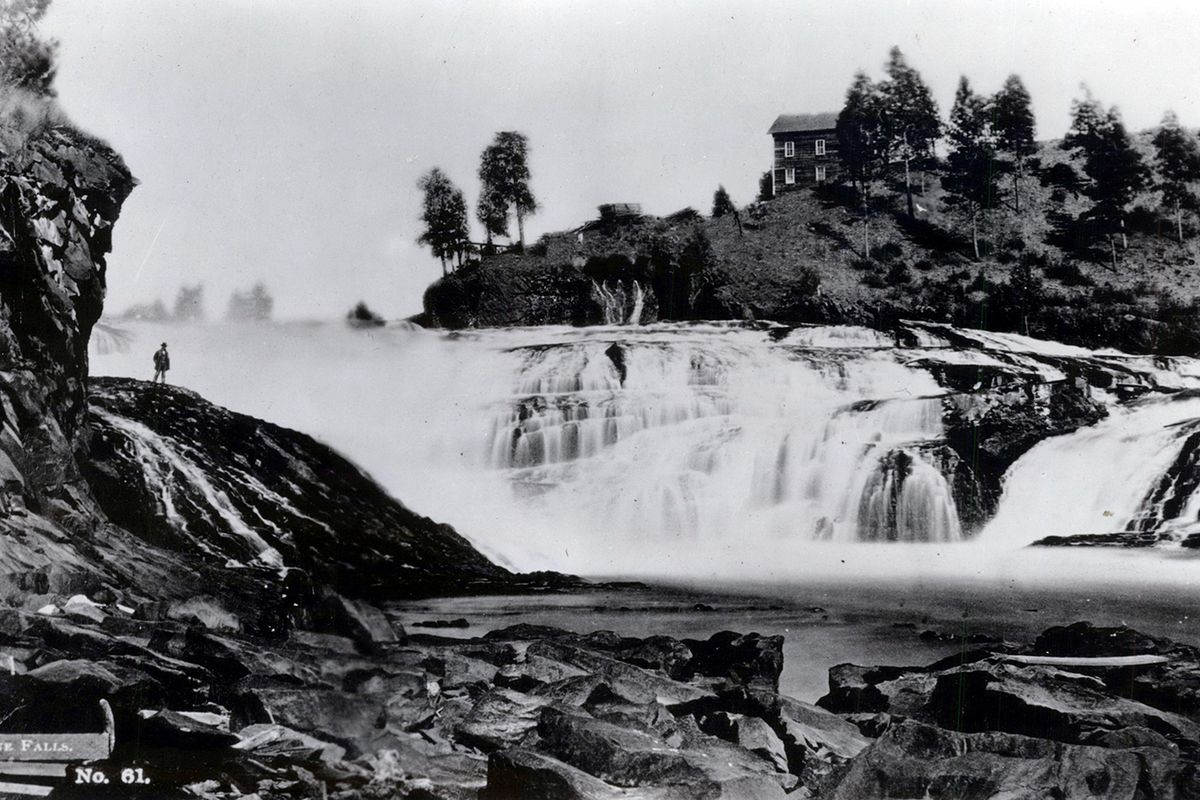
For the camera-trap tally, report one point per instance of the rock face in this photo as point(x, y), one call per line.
point(59, 198)
point(209, 485)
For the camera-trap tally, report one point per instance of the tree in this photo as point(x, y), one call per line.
point(27, 61)
point(722, 204)
point(766, 186)
point(492, 213)
point(970, 179)
point(255, 305)
point(1114, 169)
point(864, 138)
point(444, 215)
point(1177, 157)
point(1013, 124)
point(504, 173)
point(912, 115)
point(1026, 288)
point(189, 303)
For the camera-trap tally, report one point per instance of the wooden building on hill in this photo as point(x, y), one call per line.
point(805, 151)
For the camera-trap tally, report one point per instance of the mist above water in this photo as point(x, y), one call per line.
point(711, 452)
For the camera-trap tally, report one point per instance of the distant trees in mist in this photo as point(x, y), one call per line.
point(253, 305)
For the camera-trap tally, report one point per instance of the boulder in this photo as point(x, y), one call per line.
point(532, 671)
point(353, 721)
point(173, 730)
point(1173, 686)
point(912, 759)
point(625, 679)
point(751, 733)
point(64, 696)
point(749, 659)
point(271, 741)
point(501, 719)
point(356, 620)
point(513, 774)
point(628, 757)
point(81, 609)
point(1045, 702)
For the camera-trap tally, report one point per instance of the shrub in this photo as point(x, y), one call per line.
point(924, 265)
point(539, 248)
point(26, 59)
point(862, 265)
point(363, 315)
point(1063, 176)
point(1067, 273)
point(874, 279)
point(25, 117)
point(1109, 295)
point(684, 215)
point(898, 274)
point(888, 251)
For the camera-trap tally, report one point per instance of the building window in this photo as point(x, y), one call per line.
point(789, 149)
point(821, 174)
point(789, 175)
point(820, 147)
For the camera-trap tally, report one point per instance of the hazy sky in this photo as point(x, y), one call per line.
point(281, 140)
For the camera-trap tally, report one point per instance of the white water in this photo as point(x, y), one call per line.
point(722, 453)
point(163, 462)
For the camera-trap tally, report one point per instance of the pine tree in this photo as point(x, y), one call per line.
point(504, 172)
point(445, 216)
point(766, 186)
point(27, 61)
point(722, 204)
point(1177, 157)
point(970, 179)
point(1014, 126)
point(912, 116)
point(492, 213)
point(864, 139)
point(1114, 169)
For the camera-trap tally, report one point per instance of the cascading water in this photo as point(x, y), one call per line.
point(621, 306)
point(716, 446)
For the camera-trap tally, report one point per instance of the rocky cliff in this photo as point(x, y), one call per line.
point(60, 194)
point(204, 488)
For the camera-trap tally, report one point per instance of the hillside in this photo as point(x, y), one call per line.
point(799, 258)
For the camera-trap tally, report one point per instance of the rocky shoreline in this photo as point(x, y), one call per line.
point(353, 706)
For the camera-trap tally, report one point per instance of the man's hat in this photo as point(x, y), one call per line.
point(164, 344)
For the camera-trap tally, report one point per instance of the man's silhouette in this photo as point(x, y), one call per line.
point(162, 363)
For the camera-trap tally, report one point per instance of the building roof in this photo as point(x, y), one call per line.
point(798, 123)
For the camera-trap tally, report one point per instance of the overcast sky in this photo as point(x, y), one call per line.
point(281, 140)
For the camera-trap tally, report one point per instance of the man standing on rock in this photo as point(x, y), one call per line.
point(162, 363)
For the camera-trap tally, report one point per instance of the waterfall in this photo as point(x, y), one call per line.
point(714, 445)
point(619, 305)
point(173, 473)
point(1131, 472)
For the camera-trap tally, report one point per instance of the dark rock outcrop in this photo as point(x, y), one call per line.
point(198, 482)
point(915, 760)
point(988, 429)
point(59, 197)
point(1065, 717)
